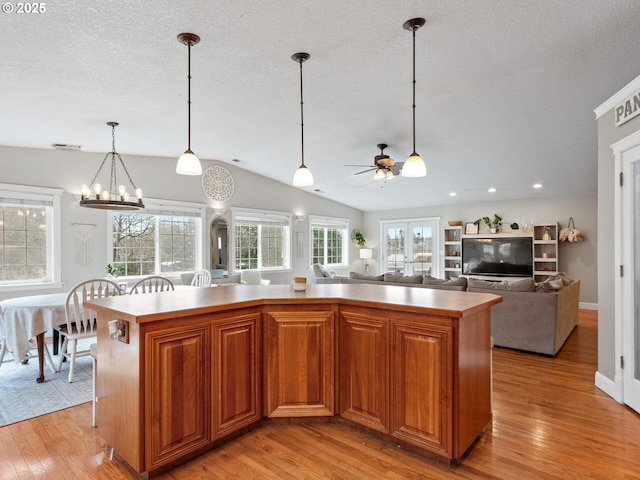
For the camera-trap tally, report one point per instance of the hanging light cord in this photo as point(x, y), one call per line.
point(301, 114)
point(113, 180)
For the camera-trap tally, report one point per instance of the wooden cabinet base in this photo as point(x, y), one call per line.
point(204, 366)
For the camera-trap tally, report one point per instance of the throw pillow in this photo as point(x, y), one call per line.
point(454, 282)
point(523, 285)
point(390, 277)
point(359, 276)
point(554, 283)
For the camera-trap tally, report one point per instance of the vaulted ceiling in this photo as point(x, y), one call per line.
point(505, 89)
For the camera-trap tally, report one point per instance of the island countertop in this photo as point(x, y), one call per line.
point(193, 301)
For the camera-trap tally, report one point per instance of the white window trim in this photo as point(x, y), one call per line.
point(155, 206)
point(236, 212)
point(54, 253)
point(334, 222)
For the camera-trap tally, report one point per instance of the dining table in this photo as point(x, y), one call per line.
point(24, 318)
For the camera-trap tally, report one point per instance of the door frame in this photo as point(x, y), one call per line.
point(626, 153)
point(408, 224)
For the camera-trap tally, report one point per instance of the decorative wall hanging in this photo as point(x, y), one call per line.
point(217, 183)
point(83, 243)
point(571, 234)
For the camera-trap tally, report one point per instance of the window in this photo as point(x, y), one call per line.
point(329, 241)
point(261, 240)
point(164, 239)
point(29, 236)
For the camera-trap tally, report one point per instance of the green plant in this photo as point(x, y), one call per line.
point(359, 238)
point(492, 224)
point(111, 270)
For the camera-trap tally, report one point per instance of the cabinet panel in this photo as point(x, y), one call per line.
point(177, 393)
point(300, 364)
point(364, 370)
point(236, 385)
point(422, 392)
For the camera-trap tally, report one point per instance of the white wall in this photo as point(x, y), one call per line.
point(157, 177)
point(578, 260)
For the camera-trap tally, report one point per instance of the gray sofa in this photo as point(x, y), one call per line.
point(532, 317)
point(538, 319)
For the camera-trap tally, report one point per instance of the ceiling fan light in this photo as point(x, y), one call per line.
point(188, 164)
point(390, 175)
point(414, 167)
point(379, 175)
point(302, 177)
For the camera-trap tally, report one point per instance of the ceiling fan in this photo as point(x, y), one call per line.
point(384, 166)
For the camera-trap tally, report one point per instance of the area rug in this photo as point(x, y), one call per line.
point(22, 398)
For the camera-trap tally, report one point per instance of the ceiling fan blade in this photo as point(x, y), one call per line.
point(365, 171)
point(359, 165)
point(397, 167)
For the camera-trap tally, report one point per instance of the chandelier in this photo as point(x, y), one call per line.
point(114, 197)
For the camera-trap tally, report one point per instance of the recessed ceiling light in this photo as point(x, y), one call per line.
point(537, 185)
point(492, 190)
point(452, 194)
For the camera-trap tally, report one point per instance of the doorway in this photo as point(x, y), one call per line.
point(410, 247)
point(627, 153)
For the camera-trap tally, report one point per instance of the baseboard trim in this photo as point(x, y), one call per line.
point(613, 388)
point(588, 306)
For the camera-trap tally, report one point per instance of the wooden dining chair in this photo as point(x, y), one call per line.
point(152, 283)
point(202, 278)
point(80, 321)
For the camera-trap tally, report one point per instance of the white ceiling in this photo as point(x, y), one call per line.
point(505, 89)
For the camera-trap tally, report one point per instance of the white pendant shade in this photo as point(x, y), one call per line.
point(302, 177)
point(414, 167)
point(188, 164)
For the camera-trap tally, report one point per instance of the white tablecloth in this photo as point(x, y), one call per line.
point(22, 318)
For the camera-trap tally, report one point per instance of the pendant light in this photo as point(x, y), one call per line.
point(302, 177)
point(414, 166)
point(188, 163)
point(113, 197)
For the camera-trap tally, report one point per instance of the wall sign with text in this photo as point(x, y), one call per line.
point(628, 109)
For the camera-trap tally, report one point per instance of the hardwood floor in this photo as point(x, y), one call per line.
point(549, 422)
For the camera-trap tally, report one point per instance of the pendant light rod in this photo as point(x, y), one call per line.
point(188, 164)
point(413, 25)
point(300, 58)
point(414, 166)
point(302, 176)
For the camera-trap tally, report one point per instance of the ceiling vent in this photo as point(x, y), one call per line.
point(66, 146)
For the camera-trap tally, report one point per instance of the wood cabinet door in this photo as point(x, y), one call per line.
point(177, 393)
point(363, 370)
point(300, 364)
point(236, 367)
point(422, 386)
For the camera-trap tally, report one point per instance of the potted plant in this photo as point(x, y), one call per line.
point(494, 225)
point(358, 237)
point(112, 272)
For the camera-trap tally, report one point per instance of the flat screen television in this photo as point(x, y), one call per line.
point(497, 256)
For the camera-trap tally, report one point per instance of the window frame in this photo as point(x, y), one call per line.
point(51, 199)
point(256, 215)
point(159, 208)
point(317, 221)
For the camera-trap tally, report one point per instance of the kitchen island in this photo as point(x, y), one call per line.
point(187, 370)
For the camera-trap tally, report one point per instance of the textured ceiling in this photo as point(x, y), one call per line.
point(505, 89)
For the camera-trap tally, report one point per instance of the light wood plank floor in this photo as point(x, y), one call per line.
point(550, 422)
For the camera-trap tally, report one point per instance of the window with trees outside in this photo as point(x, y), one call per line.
point(329, 245)
point(155, 242)
point(29, 233)
point(262, 240)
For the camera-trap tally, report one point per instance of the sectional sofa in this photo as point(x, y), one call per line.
point(534, 317)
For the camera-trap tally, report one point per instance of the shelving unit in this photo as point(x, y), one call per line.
point(452, 252)
point(545, 250)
